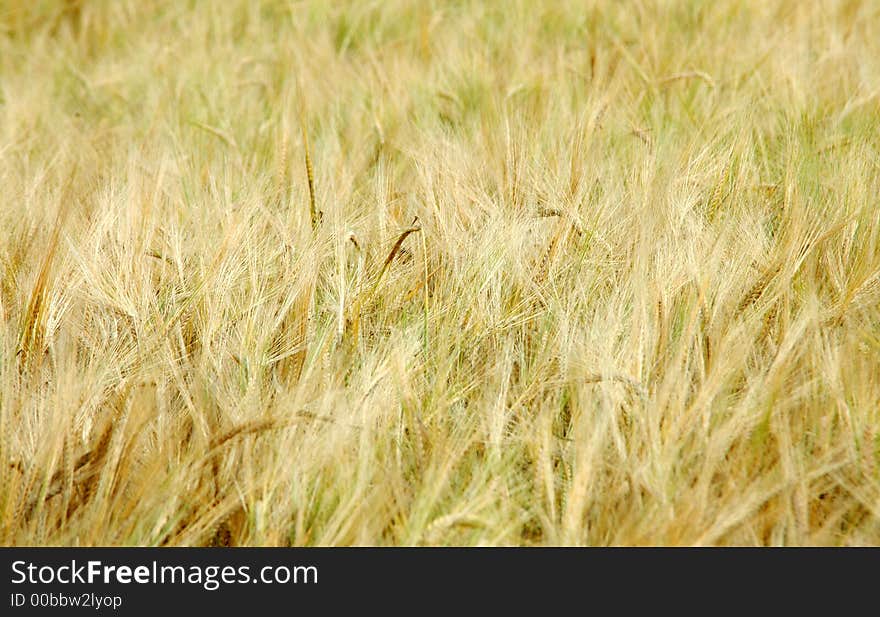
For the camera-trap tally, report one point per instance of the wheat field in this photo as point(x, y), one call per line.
point(440, 273)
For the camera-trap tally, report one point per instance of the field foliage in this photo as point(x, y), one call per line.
point(440, 273)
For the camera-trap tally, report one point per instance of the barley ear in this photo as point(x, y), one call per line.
point(314, 215)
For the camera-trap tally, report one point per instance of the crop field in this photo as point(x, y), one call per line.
point(439, 273)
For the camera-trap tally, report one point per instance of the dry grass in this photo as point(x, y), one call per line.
point(639, 303)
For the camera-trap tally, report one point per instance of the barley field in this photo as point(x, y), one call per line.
point(440, 273)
